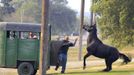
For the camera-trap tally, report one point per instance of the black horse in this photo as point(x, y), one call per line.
point(96, 48)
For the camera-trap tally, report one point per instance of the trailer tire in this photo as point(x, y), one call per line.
point(25, 68)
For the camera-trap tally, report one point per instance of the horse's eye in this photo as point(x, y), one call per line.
point(91, 26)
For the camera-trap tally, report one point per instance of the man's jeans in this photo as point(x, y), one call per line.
point(63, 60)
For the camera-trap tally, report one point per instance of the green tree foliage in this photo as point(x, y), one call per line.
point(62, 18)
point(116, 21)
point(5, 8)
point(1, 15)
point(26, 11)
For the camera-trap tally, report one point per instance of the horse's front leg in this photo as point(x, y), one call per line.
point(84, 62)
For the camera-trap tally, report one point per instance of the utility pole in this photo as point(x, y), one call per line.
point(44, 41)
point(93, 16)
point(21, 15)
point(81, 27)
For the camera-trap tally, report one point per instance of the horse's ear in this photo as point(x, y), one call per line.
point(94, 25)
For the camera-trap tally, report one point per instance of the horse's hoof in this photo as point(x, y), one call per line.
point(84, 68)
point(106, 70)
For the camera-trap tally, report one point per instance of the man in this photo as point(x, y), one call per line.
point(62, 54)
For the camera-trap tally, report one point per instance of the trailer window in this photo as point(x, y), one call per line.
point(29, 35)
point(11, 34)
point(23, 35)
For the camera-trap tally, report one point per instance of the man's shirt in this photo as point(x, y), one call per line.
point(65, 46)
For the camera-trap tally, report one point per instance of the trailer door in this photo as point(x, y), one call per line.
point(11, 49)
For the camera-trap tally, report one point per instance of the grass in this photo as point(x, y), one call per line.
point(117, 70)
point(99, 73)
point(94, 70)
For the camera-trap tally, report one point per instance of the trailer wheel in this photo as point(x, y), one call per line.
point(25, 68)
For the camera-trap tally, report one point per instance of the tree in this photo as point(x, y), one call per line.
point(26, 11)
point(5, 8)
point(61, 17)
point(1, 16)
point(5, 1)
point(116, 21)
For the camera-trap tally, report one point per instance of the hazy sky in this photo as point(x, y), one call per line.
point(76, 4)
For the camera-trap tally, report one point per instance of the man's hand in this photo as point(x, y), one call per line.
point(75, 41)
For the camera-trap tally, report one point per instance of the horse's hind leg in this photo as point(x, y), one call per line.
point(84, 63)
point(108, 65)
point(109, 61)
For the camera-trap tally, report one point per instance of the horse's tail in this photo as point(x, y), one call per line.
point(126, 59)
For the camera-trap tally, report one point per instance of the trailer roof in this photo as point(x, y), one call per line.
point(16, 26)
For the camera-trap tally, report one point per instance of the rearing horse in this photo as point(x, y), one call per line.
point(96, 48)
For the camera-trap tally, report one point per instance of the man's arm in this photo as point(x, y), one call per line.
point(69, 43)
point(75, 41)
point(73, 44)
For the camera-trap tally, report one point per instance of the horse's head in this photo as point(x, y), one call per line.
point(90, 28)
